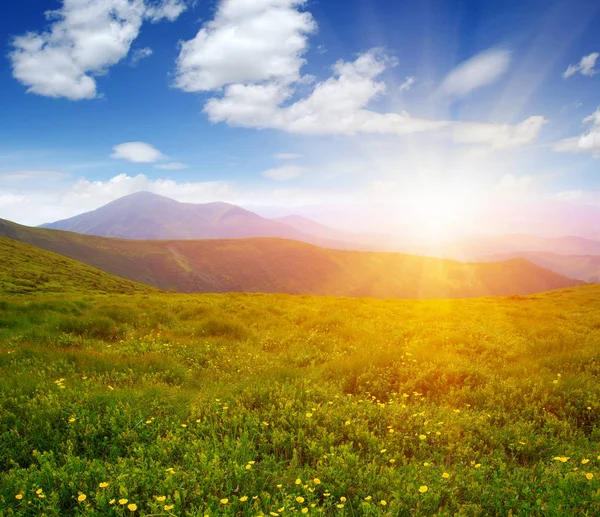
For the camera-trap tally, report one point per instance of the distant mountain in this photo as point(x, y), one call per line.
point(27, 269)
point(582, 267)
point(144, 215)
point(285, 266)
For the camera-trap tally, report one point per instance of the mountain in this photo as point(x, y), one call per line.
point(285, 266)
point(582, 267)
point(26, 269)
point(144, 215)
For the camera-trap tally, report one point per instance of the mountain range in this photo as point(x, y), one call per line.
point(275, 265)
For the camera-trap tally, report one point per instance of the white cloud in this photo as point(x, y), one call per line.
point(247, 41)
point(586, 66)
point(588, 142)
point(84, 40)
point(335, 106)
point(20, 176)
point(406, 85)
point(139, 54)
point(515, 183)
point(569, 195)
point(286, 156)
point(137, 152)
point(284, 173)
point(499, 136)
point(173, 166)
point(481, 70)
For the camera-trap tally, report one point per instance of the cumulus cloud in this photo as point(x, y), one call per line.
point(84, 40)
point(173, 166)
point(335, 106)
point(406, 85)
point(247, 41)
point(137, 152)
point(139, 54)
point(586, 66)
point(481, 70)
point(588, 142)
point(499, 136)
point(284, 173)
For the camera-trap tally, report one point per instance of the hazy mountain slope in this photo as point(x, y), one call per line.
point(27, 269)
point(277, 265)
point(144, 215)
point(582, 267)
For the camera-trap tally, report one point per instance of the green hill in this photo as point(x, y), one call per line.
point(27, 269)
point(285, 266)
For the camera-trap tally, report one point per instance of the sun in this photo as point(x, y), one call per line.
point(441, 215)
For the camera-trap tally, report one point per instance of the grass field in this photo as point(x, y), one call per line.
point(193, 405)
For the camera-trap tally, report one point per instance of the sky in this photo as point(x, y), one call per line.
point(435, 115)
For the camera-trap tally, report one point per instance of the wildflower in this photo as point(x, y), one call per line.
point(224, 501)
point(244, 498)
point(183, 425)
point(123, 501)
point(423, 489)
point(112, 501)
point(382, 451)
point(104, 484)
point(298, 481)
point(368, 498)
point(72, 419)
point(81, 498)
point(422, 437)
point(562, 459)
point(589, 475)
point(168, 507)
point(584, 461)
point(148, 422)
point(445, 475)
point(383, 502)
point(248, 467)
point(279, 486)
point(340, 505)
point(343, 499)
point(392, 460)
point(160, 498)
point(317, 481)
point(426, 464)
point(304, 510)
point(274, 514)
point(300, 499)
point(554, 381)
point(326, 494)
point(38, 491)
point(308, 415)
point(132, 507)
point(19, 496)
point(348, 422)
point(478, 465)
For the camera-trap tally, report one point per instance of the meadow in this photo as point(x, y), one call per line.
point(151, 404)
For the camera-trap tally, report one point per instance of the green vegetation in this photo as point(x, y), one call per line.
point(285, 266)
point(25, 269)
point(255, 404)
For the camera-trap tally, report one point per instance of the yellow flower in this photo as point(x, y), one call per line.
point(81, 498)
point(422, 437)
point(167, 507)
point(104, 484)
point(160, 498)
point(326, 494)
point(183, 425)
point(589, 475)
point(251, 462)
point(445, 475)
point(298, 481)
point(317, 481)
point(123, 501)
point(340, 505)
point(383, 502)
point(224, 501)
point(38, 491)
point(304, 510)
point(562, 459)
point(148, 421)
point(19, 496)
point(112, 501)
point(382, 451)
point(279, 486)
point(248, 467)
point(72, 419)
point(423, 489)
point(426, 464)
point(132, 507)
point(392, 461)
point(584, 461)
point(348, 422)
point(368, 498)
point(244, 498)
point(274, 514)
point(300, 499)
point(478, 466)
point(308, 415)
point(343, 499)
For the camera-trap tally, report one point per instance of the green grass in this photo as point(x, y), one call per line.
point(332, 405)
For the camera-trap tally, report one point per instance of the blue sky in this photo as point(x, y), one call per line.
point(297, 103)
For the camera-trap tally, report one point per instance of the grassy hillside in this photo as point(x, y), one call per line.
point(27, 269)
point(277, 265)
point(255, 404)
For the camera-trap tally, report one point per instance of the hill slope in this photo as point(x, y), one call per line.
point(27, 269)
point(144, 215)
point(277, 265)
